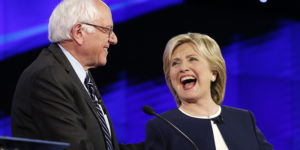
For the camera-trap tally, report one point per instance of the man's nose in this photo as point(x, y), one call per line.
point(113, 39)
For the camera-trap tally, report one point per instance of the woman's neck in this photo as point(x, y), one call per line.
point(202, 108)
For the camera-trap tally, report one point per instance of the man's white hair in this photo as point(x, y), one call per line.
point(68, 13)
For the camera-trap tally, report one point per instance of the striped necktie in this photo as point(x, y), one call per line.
point(90, 86)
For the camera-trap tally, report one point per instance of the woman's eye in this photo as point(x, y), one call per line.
point(193, 59)
point(174, 63)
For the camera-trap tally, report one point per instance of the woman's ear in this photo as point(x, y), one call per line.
point(77, 34)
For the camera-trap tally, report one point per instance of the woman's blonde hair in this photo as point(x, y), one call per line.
point(209, 48)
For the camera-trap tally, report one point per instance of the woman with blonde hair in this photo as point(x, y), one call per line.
point(195, 73)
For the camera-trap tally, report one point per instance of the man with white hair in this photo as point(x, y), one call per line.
point(56, 97)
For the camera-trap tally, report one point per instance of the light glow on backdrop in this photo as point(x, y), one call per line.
point(262, 77)
point(24, 24)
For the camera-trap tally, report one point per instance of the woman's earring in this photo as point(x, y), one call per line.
point(213, 79)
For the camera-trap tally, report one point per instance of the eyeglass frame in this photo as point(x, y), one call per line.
point(106, 29)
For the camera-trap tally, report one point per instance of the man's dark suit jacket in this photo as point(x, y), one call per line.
point(237, 128)
point(51, 103)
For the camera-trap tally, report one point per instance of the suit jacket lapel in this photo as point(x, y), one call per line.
point(62, 59)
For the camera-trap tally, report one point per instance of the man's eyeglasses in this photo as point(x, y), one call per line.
point(104, 29)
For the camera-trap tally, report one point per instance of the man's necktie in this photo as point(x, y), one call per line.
point(90, 86)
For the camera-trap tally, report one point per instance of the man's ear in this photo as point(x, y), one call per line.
point(77, 34)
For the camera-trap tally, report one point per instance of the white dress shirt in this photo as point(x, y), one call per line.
point(81, 73)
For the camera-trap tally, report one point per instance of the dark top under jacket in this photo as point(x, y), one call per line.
point(238, 129)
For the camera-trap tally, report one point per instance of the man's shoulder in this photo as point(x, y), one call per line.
point(46, 60)
point(44, 66)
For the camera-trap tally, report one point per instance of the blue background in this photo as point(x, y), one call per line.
point(262, 60)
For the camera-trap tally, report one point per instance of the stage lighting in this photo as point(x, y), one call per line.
point(263, 1)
